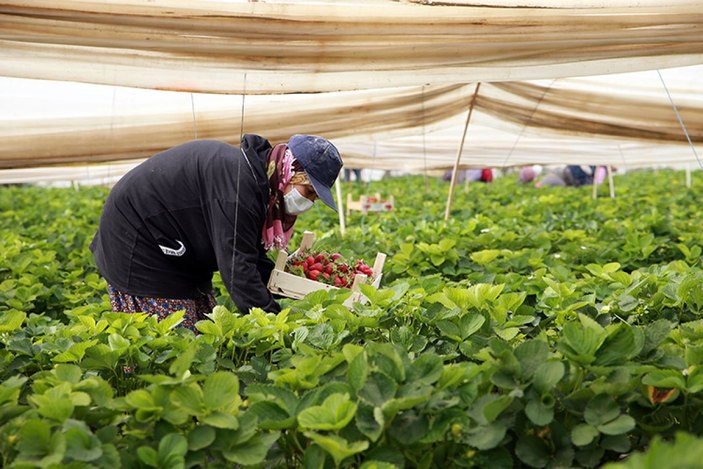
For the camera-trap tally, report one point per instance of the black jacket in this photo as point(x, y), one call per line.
point(169, 223)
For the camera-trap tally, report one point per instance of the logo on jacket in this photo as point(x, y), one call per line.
point(173, 252)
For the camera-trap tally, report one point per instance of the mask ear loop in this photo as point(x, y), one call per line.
point(236, 200)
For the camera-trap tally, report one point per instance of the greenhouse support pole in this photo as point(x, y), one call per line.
point(595, 184)
point(688, 175)
point(611, 184)
point(458, 154)
point(340, 207)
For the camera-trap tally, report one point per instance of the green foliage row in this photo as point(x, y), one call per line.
point(537, 328)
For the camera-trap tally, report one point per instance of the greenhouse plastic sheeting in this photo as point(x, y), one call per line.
point(263, 48)
point(407, 74)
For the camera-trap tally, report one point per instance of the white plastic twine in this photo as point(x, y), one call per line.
point(678, 116)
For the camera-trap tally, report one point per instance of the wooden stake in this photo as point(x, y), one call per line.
point(595, 184)
point(458, 154)
point(340, 207)
point(611, 184)
point(688, 176)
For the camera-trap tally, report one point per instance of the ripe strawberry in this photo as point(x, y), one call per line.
point(313, 274)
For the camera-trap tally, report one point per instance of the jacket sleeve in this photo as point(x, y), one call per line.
point(245, 270)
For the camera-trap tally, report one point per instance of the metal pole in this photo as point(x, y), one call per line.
point(458, 153)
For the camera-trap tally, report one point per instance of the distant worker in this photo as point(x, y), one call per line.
point(348, 173)
point(527, 174)
point(204, 206)
point(553, 177)
point(471, 175)
point(577, 176)
point(486, 175)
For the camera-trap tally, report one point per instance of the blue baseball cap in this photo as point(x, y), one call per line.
point(320, 161)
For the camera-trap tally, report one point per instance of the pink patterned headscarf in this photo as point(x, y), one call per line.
point(278, 226)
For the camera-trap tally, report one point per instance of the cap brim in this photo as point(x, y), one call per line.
point(323, 192)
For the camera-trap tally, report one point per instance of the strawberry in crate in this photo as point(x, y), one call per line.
point(328, 268)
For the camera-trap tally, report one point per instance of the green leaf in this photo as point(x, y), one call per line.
point(370, 421)
point(547, 375)
point(148, 456)
point(470, 324)
point(52, 407)
point(388, 361)
point(531, 354)
point(221, 391)
point(487, 437)
point(378, 465)
point(75, 352)
point(11, 320)
point(68, 373)
point(183, 362)
point(117, 342)
point(334, 414)
point(583, 434)
point(409, 427)
point(169, 322)
point(495, 407)
point(618, 443)
point(81, 444)
point(538, 412)
point(426, 369)
point(189, 398)
point(358, 371)
point(532, 451)
point(665, 379)
point(172, 449)
point(580, 343)
point(601, 409)
point(201, 437)
point(337, 447)
point(622, 344)
point(141, 398)
point(252, 451)
point(622, 424)
point(314, 457)
point(378, 389)
point(485, 257)
point(271, 416)
point(34, 438)
point(221, 420)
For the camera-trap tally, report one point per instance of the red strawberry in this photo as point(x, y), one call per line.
point(313, 274)
point(317, 266)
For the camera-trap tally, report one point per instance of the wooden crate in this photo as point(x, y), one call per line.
point(293, 286)
point(367, 204)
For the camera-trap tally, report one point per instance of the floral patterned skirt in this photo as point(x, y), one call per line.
point(195, 309)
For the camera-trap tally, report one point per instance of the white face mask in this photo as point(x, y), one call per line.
point(295, 203)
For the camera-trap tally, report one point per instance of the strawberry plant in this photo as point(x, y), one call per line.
point(532, 329)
